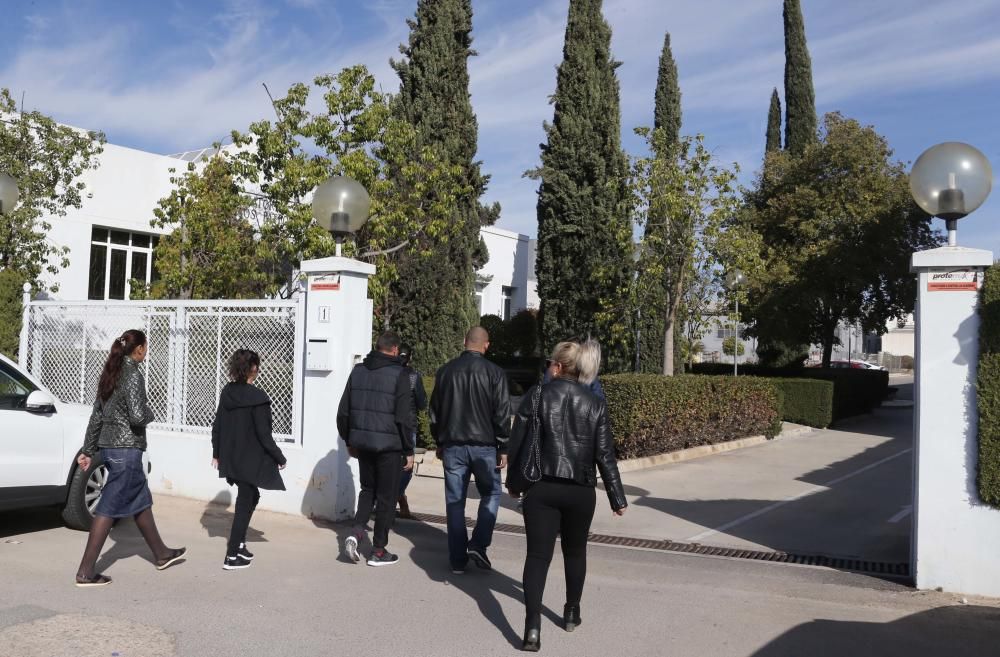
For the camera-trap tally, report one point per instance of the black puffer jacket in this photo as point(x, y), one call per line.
point(470, 404)
point(242, 440)
point(375, 410)
point(575, 437)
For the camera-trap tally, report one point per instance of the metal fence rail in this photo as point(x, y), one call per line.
point(189, 346)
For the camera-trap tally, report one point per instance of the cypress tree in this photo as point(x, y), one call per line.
point(435, 295)
point(652, 312)
point(774, 124)
point(667, 101)
point(584, 251)
point(800, 99)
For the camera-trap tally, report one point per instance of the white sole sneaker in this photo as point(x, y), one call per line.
point(351, 547)
point(238, 563)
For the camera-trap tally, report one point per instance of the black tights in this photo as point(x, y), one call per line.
point(552, 507)
point(247, 497)
point(101, 527)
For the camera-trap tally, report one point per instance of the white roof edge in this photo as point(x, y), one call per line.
point(503, 232)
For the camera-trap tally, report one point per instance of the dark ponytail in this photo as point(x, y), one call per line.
point(121, 348)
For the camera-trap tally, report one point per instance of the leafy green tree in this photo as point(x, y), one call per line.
point(413, 189)
point(729, 344)
point(800, 99)
point(210, 252)
point(774, 124)
point(685, 199)
point(436, 294)
point(11, 295)
point(47, 160)
point(584, 251)
point(651, 309)
point(837, 229)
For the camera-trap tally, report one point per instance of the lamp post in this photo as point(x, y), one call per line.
point(953, 532)
point(341, 206)
point(734, 280)
point(8, 193)
point(950, 181)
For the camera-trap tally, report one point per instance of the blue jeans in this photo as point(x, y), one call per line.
point(460, 463)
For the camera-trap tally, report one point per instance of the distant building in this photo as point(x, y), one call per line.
point(111, 241)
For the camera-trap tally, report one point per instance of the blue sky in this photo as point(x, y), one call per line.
point(175, 75)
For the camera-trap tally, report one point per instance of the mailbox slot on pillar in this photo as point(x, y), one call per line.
point(318, 355)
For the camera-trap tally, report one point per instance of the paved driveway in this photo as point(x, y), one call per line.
point(843, 492)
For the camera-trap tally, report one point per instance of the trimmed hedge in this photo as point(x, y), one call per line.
point(854, 391)
point(988, 389)
point(806, 401)
point(652, 414)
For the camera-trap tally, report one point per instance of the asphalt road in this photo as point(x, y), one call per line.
point(302, 598)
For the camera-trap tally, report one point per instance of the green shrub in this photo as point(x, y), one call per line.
point(653, 414)
point(988, 389)
point(855, 391)
point(424, 438)
point(806, 401)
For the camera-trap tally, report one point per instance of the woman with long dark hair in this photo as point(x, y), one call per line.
point(117, 429)
point(243, 449)
point(570, 424)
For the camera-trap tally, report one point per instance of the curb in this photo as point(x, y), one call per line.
point(789, 430)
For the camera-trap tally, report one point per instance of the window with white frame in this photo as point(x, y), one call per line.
point(508, 295)
point(480, 287)
point(116, 258)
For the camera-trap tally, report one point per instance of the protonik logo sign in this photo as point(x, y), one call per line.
point(958, 280)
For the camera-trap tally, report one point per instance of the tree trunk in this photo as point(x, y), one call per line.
point(668, 346)
point(827, 349)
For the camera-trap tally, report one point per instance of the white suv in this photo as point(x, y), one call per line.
point(40, 438)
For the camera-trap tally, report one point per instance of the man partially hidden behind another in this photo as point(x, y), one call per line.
point(470, 422)
point(374, 421)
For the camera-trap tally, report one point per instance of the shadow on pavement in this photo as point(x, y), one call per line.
point(959, 631)
point(126, 542)
point(26, 521)
point(430, 553)
point(217, 519)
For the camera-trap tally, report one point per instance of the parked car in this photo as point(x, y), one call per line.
point(40, 438)
point(852, 364)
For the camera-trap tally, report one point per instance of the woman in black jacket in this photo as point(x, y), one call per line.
point(243, 449)
point(574, 443)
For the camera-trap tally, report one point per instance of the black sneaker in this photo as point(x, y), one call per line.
point(479, 556)
point(244, 552)
point(382, 558)
point(236, 562)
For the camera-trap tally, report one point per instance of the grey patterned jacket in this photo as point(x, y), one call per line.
point(121, 421)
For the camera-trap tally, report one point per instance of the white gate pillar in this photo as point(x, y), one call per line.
point(338, 330)
point(955, 536)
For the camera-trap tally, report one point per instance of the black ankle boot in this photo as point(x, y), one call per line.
point(571, 617)
point(532, 636)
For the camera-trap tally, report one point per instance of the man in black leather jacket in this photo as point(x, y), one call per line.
point(470, 422)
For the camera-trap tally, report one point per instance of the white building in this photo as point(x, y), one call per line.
point(111, 240)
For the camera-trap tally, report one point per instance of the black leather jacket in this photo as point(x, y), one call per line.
point(575, 437)
point(121, 421)
point(470, 404)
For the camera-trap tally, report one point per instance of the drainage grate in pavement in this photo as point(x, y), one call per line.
point(882, 568)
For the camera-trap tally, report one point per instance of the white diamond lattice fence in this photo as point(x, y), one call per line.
point(190, 343)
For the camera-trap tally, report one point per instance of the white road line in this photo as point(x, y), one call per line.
point(771, 507)
point(905, 511)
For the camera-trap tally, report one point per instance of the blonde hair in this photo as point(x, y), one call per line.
point(589, 361)
point(567, 354)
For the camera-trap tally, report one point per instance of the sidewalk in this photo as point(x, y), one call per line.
point(842, 492)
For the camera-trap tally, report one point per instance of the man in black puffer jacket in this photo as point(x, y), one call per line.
point(470, 422)
point(374, 421)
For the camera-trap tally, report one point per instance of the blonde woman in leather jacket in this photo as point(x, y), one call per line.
point(575, 443)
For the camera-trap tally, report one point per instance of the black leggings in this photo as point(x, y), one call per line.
point(551, 507)
point(246, 501)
